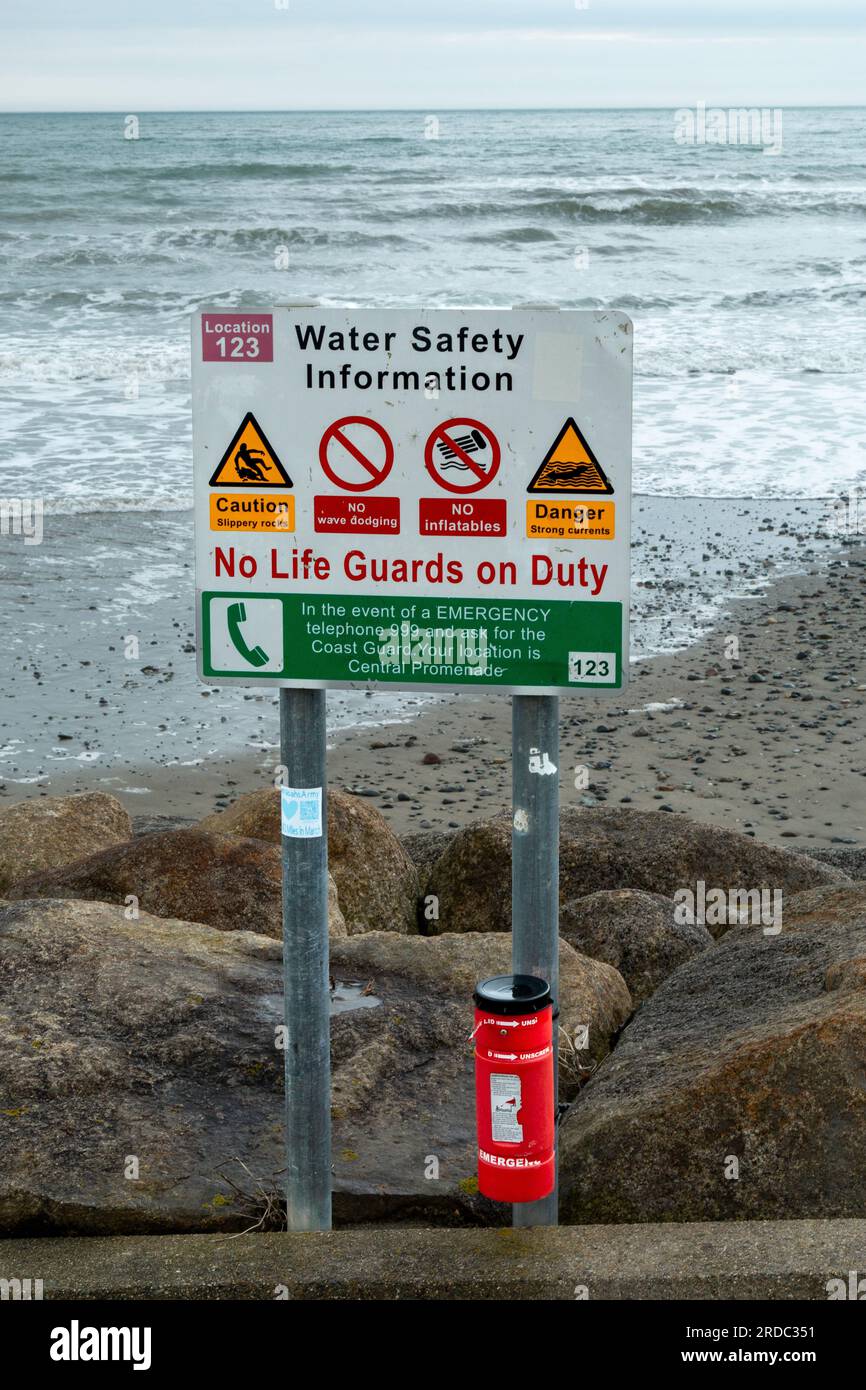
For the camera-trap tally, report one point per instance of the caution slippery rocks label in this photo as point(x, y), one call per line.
point(434, 499)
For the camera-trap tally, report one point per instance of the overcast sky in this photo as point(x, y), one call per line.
point(157, 55)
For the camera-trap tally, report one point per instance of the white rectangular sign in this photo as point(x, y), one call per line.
point(408, 497)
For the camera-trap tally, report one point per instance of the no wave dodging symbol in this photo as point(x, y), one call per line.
point(357, 454)
point(462, 455)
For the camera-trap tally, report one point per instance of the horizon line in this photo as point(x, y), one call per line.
point(415, 110)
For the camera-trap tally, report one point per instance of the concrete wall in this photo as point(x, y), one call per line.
point(743, 1260)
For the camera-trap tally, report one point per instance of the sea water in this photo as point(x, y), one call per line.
point(742, 266)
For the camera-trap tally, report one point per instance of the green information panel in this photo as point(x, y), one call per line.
point(344, 640)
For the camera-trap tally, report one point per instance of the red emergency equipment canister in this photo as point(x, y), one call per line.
point(514, 1098)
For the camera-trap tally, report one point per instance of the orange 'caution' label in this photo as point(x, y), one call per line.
point(251, 511)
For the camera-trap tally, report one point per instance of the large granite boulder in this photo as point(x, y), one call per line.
point(425, 848)
point(376, 881)
point(229, 882)
point(142, 1077)
point(607, 848)
point(47, 832)
point(636, 932)
point(849, 858)
point(407, 1095)
point(137, 1059)
point(738, 1091)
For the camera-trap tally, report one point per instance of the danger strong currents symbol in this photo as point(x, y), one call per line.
point(462, 455)
point(356, 453)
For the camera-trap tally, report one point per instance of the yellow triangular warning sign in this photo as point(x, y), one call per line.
point(250, 460)
point(570, 465)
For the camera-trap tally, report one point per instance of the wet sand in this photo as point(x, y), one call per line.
point(98, 685)
point(772, 743)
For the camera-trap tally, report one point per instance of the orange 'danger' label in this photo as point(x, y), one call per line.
point(564, 519)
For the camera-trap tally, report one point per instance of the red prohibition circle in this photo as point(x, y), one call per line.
point(482, 479)
point(378, 471)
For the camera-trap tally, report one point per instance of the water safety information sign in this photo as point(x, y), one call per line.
point(413, 498)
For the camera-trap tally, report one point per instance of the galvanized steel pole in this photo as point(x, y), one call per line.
point(535, 873)
point(305, 973)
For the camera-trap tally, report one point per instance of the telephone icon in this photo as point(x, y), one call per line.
point(236, 615)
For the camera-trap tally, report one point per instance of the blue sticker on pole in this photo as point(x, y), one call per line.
point(301, 812)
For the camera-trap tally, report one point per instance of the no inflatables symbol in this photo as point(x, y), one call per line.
point(359, 460)
point(462, 455)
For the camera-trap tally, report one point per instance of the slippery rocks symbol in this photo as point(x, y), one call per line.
point(250, 460)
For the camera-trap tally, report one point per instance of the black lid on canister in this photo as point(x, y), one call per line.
point(513, 994)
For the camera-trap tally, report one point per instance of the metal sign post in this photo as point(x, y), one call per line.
point(535, 874)
point(393, 498)
point(306, 999)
